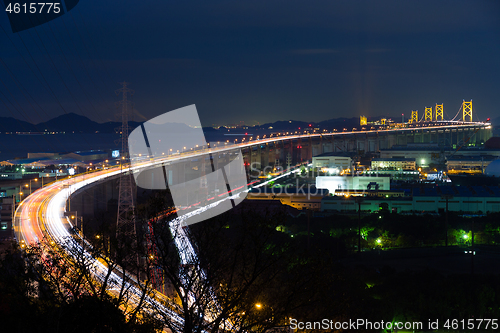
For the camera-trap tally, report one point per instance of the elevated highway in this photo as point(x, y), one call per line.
point(40, 218)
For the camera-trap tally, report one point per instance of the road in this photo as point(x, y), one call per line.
point(40, 217)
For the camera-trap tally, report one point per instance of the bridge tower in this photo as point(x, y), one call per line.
point(467, 110)
point(439, 111)
point(362, 120)
point(125, 224)
point(428, 114)
point(414, 116)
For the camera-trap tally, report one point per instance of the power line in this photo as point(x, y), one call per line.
point(21, 112)
point(95, 49)
point(57, 71)
point(7, 107)
point(34, 73)
point(89, 56)
point(71, 69)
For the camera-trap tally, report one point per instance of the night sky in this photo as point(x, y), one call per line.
point(255, 61)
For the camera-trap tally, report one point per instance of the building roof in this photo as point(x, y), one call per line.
point(457, 191)
point(289, 190)
point(417, 148)
point(472, 158)
point(340, 154)
point(394, 159)
point(24, 161)
point(66, 161)
point(88, 153)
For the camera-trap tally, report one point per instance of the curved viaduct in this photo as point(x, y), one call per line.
point(298, 148)
point(41, 216)
point(304, 147)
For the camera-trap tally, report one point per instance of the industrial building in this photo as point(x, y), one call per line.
point(423, 154)
point(467, 199)
point(340, 161)
point(6, 211)
point(393, 164)
point(474, 164)
point(336, 183)
point(300, 198)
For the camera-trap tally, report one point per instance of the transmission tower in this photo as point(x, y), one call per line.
point(428, 114)
point(439, 111)
point(288, 161)
point(467, 110)
point(125, 224)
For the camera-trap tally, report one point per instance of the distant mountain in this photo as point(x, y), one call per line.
point(72, 122)
point(285, 125)
point(68, 123)
point(9, 124)
point(340, 123)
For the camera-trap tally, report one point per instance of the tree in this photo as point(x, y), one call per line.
point(58, 287)
point(240, 274)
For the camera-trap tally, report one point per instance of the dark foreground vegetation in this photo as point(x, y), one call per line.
point(262, 268)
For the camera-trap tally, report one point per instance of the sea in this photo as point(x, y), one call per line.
point(19, 145)
point(14, 146)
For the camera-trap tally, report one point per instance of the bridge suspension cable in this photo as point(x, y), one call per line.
point(458, 112)
point(422, 117)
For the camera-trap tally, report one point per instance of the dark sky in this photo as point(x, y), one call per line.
point(255, 61)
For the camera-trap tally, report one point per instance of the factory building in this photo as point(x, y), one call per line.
point(393, 164)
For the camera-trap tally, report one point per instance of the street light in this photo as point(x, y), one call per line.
point(36, 179)
point(73, 217)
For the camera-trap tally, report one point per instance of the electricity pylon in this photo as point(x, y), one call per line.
point(125, 224)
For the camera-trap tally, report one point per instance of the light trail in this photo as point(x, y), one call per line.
point(43, 211)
